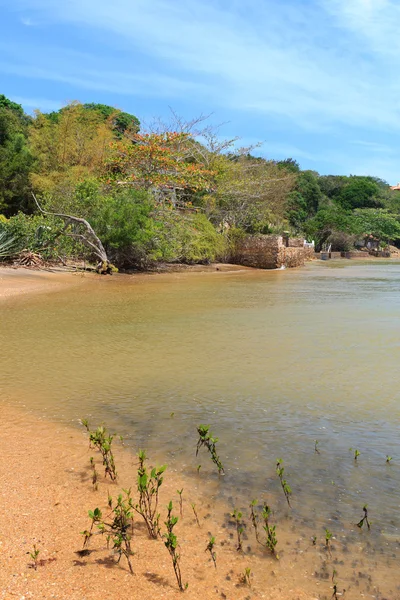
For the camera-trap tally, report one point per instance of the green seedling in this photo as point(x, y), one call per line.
point(314, 540)
point(285, 486)
point(198, 469)
point(95, 475)
point(356, 453)
point(254, 519)
point(328, 537)
point(116, 526)
point(334, 585)
point(388, 459)
point(34, 556)
point(171, 543)
point(270, 531)
point(210, 549)
point(237, 516)
point(316, 447)
point(148, 485)
point(245, 577)
point(364, 519)
point(206, 439)
point(172, 415)
point(195, 513)
point(102, 441)
point(180, 502)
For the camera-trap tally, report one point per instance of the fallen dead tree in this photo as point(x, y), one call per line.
point(80, 229)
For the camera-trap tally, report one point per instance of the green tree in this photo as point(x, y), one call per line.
point(360, 192)
point(378, 223)
point(16, 159)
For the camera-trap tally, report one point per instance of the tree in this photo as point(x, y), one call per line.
point(379, 223)
point(251, 194)
point(158, 163)
point(360, 192)
point(15, 158)
point(68, 150)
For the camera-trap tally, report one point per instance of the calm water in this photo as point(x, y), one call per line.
point(272, 360)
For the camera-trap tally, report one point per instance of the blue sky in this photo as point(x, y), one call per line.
point(316, 80)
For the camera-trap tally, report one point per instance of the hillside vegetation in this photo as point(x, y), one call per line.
point(173, 193)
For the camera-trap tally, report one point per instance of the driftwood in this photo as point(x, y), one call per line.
point(88, 238)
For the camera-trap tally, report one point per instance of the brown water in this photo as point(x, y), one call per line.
point(272, 360)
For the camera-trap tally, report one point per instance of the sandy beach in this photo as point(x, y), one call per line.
point(46, 493)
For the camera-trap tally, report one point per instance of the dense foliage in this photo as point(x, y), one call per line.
point(168, 194)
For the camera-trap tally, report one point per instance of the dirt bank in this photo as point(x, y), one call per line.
point(46, 492)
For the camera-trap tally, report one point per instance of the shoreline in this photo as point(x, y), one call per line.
point(46, 497)
point(20, 281)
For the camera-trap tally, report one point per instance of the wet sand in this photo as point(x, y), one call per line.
point(46, 493)
point(20, 281)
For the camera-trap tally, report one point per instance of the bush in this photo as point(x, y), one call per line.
point(38, 233)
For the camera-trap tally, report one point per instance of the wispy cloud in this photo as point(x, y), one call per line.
point(323, 67)
point(264, 57)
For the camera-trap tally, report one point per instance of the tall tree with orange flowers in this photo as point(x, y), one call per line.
point(158, 162)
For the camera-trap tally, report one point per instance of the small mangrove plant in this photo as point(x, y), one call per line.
point(364, 519)
point(149, 482)
point(237, 517)
point(208, 441)
point(328, 537)
point(171, 543)
point(117, 526)
point(180, 492)
point(35, 557)
point(270, 541)
point(244, 577)
point(210, 548)
point(285, 486)
point(356, 453)
point(193, 505)
point(95, 476)
point(102, 441)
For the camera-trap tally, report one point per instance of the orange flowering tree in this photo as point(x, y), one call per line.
point(159, 162)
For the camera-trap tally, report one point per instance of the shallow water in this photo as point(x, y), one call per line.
point(272, 360)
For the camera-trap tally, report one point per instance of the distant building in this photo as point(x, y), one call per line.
point(395, 187)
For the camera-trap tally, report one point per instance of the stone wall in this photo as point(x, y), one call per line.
point(269, 252)
point(296, 242)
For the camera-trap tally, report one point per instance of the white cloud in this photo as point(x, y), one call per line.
point(259, 57)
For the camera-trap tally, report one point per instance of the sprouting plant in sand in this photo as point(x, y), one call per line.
point(148, 485)
point(335, 587)
point(117, 526)
point(206, 439)
point(95, 475)
point(198, 469)
point(328, 537)
point(34, 556)
point(254, 519)
point(364, 519)
point(193, 505)
point(171, 543)
point(285, 486)
point(356, 452)
point(102, 441)
point(244, 577)
point(388, 459)
point(270, 531)
point(210, 549)
point(316, 447)
point(270, 541)
point(180, 492)
point(314, 540)
point(237, 517)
